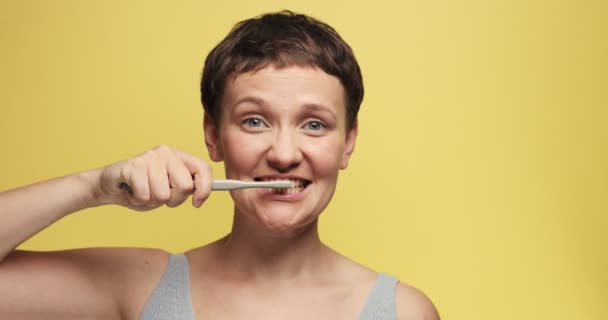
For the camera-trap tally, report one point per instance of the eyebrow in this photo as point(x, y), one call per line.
point(320, 108)
point(262, 103)
point(249, 99)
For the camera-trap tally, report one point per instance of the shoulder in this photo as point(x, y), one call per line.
point(130, 275)
point(88, 257)
point(412, 304)
point(120, 279)
point(110, 265)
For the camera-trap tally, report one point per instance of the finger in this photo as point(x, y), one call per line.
point(180, 180)
point(159, 182)
point(137, 178)
point(203, 177)
point(203, 182)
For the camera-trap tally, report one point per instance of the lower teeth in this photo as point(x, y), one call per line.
point(287, 191)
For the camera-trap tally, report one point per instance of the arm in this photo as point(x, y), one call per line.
point(28, 210)
point(159, 176)
point(88, 283)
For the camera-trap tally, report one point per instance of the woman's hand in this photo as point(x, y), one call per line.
point(163, 175)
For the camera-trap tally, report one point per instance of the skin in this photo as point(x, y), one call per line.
point(283, 123)
point(275, 123)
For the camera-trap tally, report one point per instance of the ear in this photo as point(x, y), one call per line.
point(351, 138)
point(212, 138)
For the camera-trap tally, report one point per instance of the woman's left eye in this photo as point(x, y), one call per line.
point(315, 125)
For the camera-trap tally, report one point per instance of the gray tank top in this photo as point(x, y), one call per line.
point(171, 299)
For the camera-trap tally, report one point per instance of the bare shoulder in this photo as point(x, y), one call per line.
point(412, 304)
point(104, 283)
point(96, 264)
point(128, 274)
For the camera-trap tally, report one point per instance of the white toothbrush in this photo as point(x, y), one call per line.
point(238, 184)
point(220, 185)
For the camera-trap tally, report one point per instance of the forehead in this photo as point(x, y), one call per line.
point(287, 87)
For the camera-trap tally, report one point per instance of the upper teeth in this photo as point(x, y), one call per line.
point(295, 183)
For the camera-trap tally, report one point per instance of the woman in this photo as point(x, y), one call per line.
point(281, 94)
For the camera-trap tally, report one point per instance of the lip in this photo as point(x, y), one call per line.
point(283, 197)
point(280, 177)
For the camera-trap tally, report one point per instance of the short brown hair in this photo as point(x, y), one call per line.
point(282, 39)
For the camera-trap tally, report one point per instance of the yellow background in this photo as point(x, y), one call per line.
point(480, 174)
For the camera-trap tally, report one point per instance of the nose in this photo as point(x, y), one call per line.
point(284, 153)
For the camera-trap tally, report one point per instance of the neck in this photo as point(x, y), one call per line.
point(255, 252)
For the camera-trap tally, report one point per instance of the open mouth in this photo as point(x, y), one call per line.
point(297, 185)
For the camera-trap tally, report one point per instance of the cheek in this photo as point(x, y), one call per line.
point(325, 156)
point(241, 155)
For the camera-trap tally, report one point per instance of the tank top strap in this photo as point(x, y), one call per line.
point(171, 298)
point(380, 303)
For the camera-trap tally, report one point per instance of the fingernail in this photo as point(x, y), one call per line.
point(198, 203)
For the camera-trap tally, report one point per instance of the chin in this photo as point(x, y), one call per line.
point(285, 223)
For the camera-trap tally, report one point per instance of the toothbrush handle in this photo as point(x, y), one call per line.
point(227, 185)
point(237, 184)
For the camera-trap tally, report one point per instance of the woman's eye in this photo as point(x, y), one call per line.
point(254, 122)
point(315, 125)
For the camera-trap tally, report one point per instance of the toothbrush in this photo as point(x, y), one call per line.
point(222, 185)
point(238, 184)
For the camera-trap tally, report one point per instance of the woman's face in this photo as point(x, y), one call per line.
point(287, 123)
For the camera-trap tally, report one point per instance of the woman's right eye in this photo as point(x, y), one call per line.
point(254, 122)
